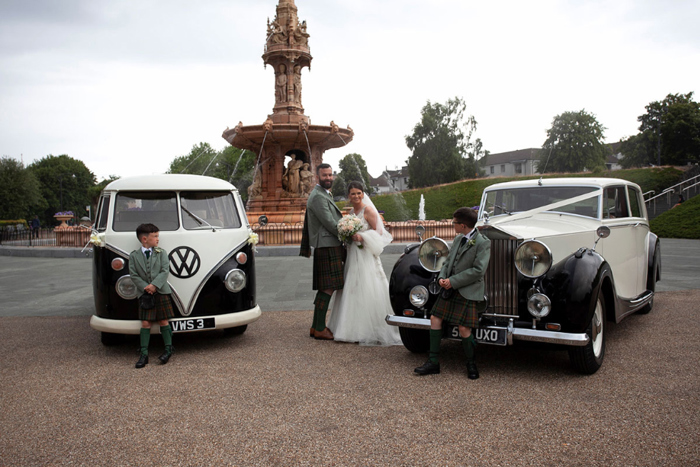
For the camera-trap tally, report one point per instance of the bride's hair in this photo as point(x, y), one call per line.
point(356, 185)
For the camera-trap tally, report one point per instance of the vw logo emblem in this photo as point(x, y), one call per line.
point(184, 262)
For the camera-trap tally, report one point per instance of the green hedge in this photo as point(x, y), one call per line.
point(682, 221)
point(442, 200)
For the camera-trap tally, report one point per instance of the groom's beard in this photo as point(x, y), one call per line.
point(327, 184)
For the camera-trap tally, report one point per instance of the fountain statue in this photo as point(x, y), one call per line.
point(280, 191)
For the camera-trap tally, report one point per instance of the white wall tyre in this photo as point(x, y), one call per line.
point(589, 358)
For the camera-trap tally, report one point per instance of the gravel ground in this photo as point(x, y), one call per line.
point(273, 396)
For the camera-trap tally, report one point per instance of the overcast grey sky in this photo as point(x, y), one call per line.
point(126, 86)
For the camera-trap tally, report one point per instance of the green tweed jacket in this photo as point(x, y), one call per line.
point(323, 216)
point(154, 271)
point(465, 266)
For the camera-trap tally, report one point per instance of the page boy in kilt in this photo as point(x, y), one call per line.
point(321, 232)
point(149, 267)
point(462, 280)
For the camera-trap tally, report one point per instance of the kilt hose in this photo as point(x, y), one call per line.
point(328, 268)
point(162, 310)
point(458, 310)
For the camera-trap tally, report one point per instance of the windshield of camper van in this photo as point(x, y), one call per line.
point(135, 208)
point(511, 200)
point(206, 210)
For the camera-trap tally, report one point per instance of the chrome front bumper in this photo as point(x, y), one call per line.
point(521, 334)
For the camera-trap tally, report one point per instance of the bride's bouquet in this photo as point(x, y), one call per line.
point(347, 227)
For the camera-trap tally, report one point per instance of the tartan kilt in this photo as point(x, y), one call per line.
point(328, 268)
point(162, 310)
point(458, 310)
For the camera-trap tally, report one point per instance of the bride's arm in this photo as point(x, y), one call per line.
point(371, 216)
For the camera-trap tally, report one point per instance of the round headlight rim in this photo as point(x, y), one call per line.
point(442, 243)
point(241, 258)
point(419, 290)
point(121, 282)
point(243, 282)
point(528, 243)
point(117, 264)
point(542, 298)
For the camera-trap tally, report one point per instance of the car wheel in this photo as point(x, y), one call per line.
point(415, 340)
point(109, 338)
point(235, 331)
point(589, 358)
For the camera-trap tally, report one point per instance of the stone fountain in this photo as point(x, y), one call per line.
point(277, 191)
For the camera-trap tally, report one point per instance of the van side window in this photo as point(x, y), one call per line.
point(134, 208)
point(102, 213)
point(204, 210)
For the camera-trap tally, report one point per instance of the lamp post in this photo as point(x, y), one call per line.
point(60, 184)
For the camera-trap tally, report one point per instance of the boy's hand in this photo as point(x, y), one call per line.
point(150, 288)
point(445, 284)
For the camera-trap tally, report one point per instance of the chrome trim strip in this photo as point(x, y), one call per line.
point(532, 335)
point(551, 337)
point(635, 305)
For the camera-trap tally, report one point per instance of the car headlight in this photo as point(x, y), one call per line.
point(418, 296)
point(539, 305)
point(235, 280)
point(432, 254)
point(533, 259)
point(126, 288)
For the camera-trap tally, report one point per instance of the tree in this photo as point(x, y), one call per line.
point(20, 191)
point(354, 168)
point(65, 184)
point(671, 130)
point(339, 187)
point(574, 143)
point(441, 145)
point(234, 165)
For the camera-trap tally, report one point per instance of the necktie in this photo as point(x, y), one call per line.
point(464, 240)
point(148, 253)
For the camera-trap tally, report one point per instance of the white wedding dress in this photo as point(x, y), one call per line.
point(360, 307)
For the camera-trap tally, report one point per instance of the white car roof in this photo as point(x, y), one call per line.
point(578, 181)
point(171, 182)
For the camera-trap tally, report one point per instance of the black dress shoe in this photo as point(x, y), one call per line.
point(166, 355)
point(143, 360)
point(428, 368)
point(472, 372)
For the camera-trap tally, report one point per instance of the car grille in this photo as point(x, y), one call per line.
point(502, 279)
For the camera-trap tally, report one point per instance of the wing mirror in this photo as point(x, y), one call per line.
point(601, 232)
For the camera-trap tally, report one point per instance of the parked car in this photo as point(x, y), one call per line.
point(568, 255)
point(204, 228)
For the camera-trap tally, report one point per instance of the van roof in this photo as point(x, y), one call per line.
point(173, 182)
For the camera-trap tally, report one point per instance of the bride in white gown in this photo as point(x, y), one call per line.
point(359, 311)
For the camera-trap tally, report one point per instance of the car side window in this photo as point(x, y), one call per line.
point(615, 203)
point(102, 212)
point(634, 202)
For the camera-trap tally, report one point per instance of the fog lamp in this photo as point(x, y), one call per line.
point(539, 305)
point(418, 296)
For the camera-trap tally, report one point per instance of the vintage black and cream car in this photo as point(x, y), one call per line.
point(568, 256)
point(203, 226)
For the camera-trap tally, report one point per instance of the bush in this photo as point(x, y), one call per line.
point(682, 221)
point(11, 225)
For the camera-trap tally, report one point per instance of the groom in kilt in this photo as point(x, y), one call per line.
point(462, 297)
point(321, 232)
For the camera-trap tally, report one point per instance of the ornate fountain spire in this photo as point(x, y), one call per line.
point(287, 51)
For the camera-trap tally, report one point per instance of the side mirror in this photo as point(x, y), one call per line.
point(262, 221)
point(602, 232)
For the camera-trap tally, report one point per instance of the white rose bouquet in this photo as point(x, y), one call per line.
point(347, 227)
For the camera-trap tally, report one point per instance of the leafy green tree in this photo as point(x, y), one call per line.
point(234, 165)
point(574, 143)
point(20, 191)
point(339, 187)
point(671, 130)
point(442, 146)
point(354, 168)
point(65, 184)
